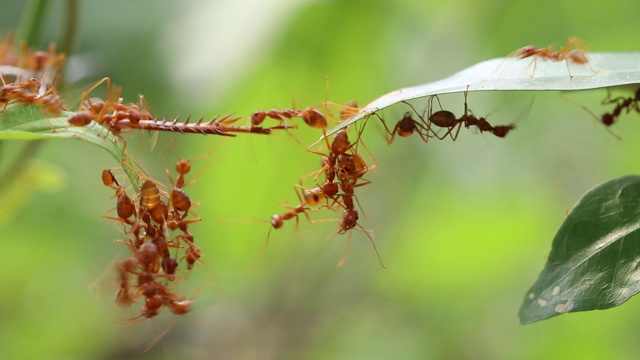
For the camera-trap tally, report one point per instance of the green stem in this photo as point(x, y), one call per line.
point(30, 31)
point(69, 26)
point(32, 21)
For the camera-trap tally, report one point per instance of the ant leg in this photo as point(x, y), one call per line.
point(388, 134)
point(347, 246)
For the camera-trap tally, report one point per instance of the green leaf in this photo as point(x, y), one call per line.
point(595, 257)
point(27, 122)
point(603, 70)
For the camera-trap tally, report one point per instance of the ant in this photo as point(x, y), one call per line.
point(40, 61)
point(181, 202)
point(310, 116)
point(125, 207)
point(350, 216)
point(609, 118)
point(446, 119)
point(307, 197)
point(192, 254)
point(95, 109)
point(628, 103)
point(565, 53)
point(179, 199)
point(28, 92)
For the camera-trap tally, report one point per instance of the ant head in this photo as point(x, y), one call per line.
point(527, 51)
point(258, 117)
point(183, 166)
point(108, 179)
point(180, 307)
point(277, 221)
point(502, 130)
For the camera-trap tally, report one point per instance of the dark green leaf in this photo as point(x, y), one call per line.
point(595, 256)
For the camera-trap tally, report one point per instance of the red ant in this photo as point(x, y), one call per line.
point(447, 119)
point(350, 216)
point(125, 207)
point(609, 118)
point(120, 117)
point(628, 103)
point(310, 116)
point(110, 112)
point(307, 197)
point(343, 160)
point(565, 53)
point(40, 61)
point(28, 92)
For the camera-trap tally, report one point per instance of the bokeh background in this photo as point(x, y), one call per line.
point(463, 227)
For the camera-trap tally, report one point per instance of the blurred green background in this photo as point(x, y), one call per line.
point(463, 227)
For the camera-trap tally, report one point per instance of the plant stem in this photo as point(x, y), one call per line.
point(31, 23)
point(69, 26)
point(30, 31)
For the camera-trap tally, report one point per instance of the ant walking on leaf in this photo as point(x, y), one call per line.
point(571, 52)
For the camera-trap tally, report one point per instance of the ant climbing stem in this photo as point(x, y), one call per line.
point(125, 208)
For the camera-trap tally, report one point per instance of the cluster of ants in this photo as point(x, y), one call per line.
point(156, 218)
point(120, 118)
point(34, 73)
point(343, 167)
point(148, 225)
point(343, 162)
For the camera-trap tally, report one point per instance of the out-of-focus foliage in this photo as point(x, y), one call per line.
point(463, 227)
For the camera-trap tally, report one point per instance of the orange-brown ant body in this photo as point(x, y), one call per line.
point(570, 52)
